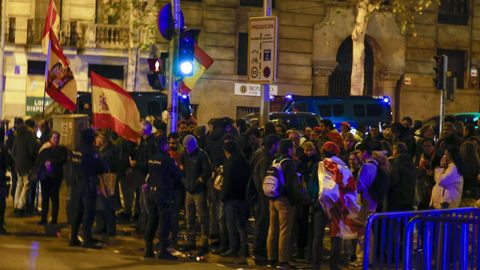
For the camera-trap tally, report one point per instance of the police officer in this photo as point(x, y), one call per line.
point(86, 166)
point(163, 175)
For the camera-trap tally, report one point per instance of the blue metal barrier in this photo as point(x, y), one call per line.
point(445, 243)
point(385, 234)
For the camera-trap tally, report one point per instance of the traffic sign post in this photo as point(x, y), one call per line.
point(262, 54)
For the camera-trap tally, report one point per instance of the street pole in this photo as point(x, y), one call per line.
point(265, 105)
point(443, 95)
point(173, 56)
point(2, 54)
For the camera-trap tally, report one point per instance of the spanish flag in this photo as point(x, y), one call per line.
point(52, 23)
point(202, 62)
point(60, 83)
point(114, 108)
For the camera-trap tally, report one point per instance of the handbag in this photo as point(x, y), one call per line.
point(106, 183)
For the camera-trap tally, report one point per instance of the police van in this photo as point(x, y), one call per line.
point(356, 110)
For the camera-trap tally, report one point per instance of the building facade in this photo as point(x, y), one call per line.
point(314, 53)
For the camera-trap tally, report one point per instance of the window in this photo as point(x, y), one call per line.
point(374, 110)
point(107, 71)
point(300, 107)
point(36, 68)
point(358, 110)
point(242, 54)
point(325, 110)
point(243, 111)
point(454, 12)
point(337, 110)
point(456, 64)
point(254, 3)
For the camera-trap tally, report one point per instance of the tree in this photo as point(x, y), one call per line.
point(142, 27)
point(406, 11)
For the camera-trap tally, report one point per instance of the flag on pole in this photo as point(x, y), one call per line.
point(52, 24)
point(202, 62)
point(114, 108)
point(60, 83)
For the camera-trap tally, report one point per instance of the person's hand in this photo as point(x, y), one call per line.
point(48, 165)
point(132, 162)
point(444, 162)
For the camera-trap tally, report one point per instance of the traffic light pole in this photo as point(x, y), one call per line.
point(173, 57)
point(265, 106)
point(443, 95)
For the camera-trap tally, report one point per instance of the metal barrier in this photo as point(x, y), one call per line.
point(442, 243)
point(385, 234)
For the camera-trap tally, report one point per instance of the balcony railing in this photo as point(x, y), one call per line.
point(75, 34)
point(104, 36)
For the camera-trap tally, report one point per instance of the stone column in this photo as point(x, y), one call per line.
point(388, 82)
point(321, 73)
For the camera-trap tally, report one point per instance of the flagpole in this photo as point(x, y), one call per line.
point(47, 67)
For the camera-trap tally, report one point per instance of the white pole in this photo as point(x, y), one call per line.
point(173, 58)
point(265, 105)
point(2, 54)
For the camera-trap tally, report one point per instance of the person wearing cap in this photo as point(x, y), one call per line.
point(86, 166)
point(196, 171)
point(163, 175)
point(337, 198)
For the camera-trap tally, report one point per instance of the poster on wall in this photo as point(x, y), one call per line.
point(34, 105)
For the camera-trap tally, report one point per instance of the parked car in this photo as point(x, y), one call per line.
point(465, 117)
point(356, 110)
point(297, 120)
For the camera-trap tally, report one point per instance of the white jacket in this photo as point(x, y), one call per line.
point(448, 187)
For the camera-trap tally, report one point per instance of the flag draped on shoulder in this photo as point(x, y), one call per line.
point(61, 85)
point(52, 23)
point(202, 62)
point(114, 108)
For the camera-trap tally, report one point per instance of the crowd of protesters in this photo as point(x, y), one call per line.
point(215, 175)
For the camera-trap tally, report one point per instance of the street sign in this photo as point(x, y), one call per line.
point(253, 90)
point(262, 49)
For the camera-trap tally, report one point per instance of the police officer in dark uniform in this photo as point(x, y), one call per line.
point(86, 166)
point(163, 174)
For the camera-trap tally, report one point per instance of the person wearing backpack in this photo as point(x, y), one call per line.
point(368, 205)
point(285, 194)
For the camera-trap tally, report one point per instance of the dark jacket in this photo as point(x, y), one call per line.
point(57, 156)
point(402, 183)
point(86, 165)
point(110, 157)
point(293, 186)
point(143, 152)
point(260, 162)
point(24, 150)
point(195, 166)
point(235, 178)
point(214, 147)
point(5, 163)
point(162, 176)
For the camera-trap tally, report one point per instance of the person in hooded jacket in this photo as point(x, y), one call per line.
point(86, 166)
point(49, 167)
point(5, 163)
point(196, 171)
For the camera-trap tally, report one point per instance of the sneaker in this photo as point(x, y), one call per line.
point(166, 256)
point(229, 253)
point(90, 244)
point(284, 266)
point(74, 243)
point(271, 264)
point(356, 263)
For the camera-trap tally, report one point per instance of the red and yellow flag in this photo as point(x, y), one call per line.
point(114, 108)
point(52, 23)
point(61, 85)
point(202, 62)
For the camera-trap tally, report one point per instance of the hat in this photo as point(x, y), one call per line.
point(346, 124)
point(331, 147)
point(190, 141)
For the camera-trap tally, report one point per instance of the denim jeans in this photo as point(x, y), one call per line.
point(198, 202)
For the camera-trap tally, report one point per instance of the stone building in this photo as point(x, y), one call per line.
point(314, 52)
